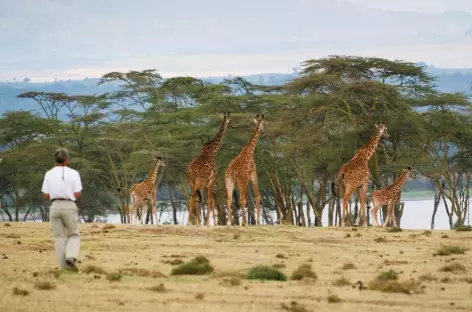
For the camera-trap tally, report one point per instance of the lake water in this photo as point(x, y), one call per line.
point(416, 215)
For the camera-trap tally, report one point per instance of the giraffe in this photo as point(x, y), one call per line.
point(242, 169)
point(389, 195)
point(354, 175)
point(145, 191)
point(201, 172)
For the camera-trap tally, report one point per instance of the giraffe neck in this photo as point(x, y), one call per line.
point(371, 147)
point(152, 176)
point(400, 181)
point(211, 148)
point(251, 145)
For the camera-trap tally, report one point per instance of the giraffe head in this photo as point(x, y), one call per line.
point(407, 171)
point(381, 129)
point(158, 161)
point(259, 122)
point(226, 119)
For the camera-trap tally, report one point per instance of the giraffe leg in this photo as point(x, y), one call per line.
point(375, 207)
point(210, 200)
point(255, 186)
point(390, 213)
point(192, 204)
point(243, 201)
point(229, 184)
point(154, 211)
point(210, 205)
point(362, 198)
point(347, 195)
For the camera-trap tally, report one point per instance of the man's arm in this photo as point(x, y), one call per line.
point(45, 188)
point(77, 186)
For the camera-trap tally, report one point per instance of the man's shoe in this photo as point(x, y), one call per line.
point(71, 262)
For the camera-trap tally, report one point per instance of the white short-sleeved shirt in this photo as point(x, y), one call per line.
point(59, 188)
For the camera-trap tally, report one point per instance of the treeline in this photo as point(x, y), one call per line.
point(314, 124)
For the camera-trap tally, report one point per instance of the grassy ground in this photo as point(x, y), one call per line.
point(129, 269)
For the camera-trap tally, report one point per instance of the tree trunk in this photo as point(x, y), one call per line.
point(301, 217)
point(4, 207)
point(437, 199)
point(308, 214)
point(26, 214)
point(174, 206)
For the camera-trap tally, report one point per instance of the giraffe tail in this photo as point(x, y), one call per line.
point(199, 194)
point(333, 189)
point(236, 198)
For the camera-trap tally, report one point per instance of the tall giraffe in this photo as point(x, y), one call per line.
point(201, 172)
point(389, 195)
point(242, 169)
point(145, 191)
point(354, 175)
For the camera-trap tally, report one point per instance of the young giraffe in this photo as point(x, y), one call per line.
point(242, 169)
point(389, 195)
point(145, 191)
point(354, 175)
point(201, 172)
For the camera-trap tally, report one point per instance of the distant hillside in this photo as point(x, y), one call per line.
point(447, 80)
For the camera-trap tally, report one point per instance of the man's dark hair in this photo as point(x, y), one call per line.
point(61, 155)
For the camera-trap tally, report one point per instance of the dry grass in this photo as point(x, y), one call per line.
point(130, 257)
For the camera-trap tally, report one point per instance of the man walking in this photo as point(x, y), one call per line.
point(62, 186)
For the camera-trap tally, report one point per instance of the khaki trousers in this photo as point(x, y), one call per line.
point(64, 218)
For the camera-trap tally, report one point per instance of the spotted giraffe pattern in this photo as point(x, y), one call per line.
point(241, 170)
point(390, 196)
point(354, 175)
point(145, 191)
point(201, 172)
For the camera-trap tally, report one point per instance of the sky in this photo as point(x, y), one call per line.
point(66, 39)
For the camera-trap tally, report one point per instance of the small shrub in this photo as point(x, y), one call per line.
point(348, 266)
point(358, 235)
point(446, 280)
point(464, 228)
point(230, 281)
point(395, 229)
point(428, 277)
point(199, 296)
point(263, 272)
point(158, 288)
point(342, 281)
point(93, 269)
point(347, 235)
point(447, 250)
point(303, 271)
point(114, 277)
point(278, 265)
point(281, 256)
point(197, 266)
point(380, 239)
point(467, 280)
point(427, 233)
point(236, 236)
point(294, 307)
point(7, 224)
point(108, 227)
point(406, 287)
point(140, 272)
point(173, 261)
point(334, 299)
point(453, 268)
point(390, 275)
point(20, 292)
point(44, 285)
